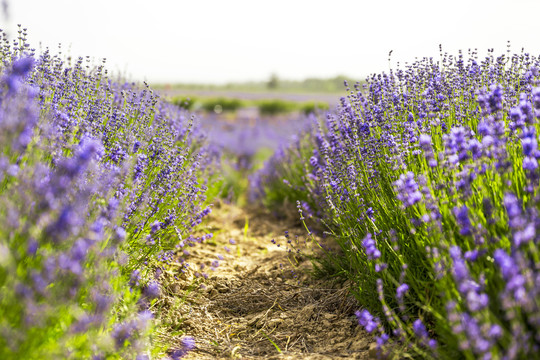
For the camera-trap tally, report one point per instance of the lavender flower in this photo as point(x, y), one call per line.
point(366, 320)
point(462, 218)
point(407, 189)
point(187, 344)
point(402, 290)
point(152, 290)
point(370, 246)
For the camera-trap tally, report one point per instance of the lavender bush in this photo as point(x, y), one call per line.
point(428, 179)
point(97, 179)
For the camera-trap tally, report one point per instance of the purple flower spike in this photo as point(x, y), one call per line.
point(506, 264)
point(459, 270)
point(492, 101)
point(407, 189)
point(462, 218)
point(381, 340)
point(402, 290)
point(530, 145)
point(370, 247)
point(152, 291)
point(367, 320)
point(477, 301)
point(23, 66)
point(525, 235)
point(425, 141)
point(514, 211)
point(536, 98)
point(420, 329)
point(187, 343)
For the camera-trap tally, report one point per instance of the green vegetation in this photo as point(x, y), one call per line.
point(268, 107)
point(313, 107)
point(275, 106)
point(310, 85)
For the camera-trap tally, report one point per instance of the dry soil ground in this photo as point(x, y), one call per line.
point(255, 305)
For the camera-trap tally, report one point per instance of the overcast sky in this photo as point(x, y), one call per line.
point(216, 41)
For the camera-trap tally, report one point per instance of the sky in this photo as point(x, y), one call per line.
point(219, 41)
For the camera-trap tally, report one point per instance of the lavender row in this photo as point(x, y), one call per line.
point(428, 180)
point(98, 178)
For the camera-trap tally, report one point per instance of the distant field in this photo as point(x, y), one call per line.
point(274, 87)
point(330, 98)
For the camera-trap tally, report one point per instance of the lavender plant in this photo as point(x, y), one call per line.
point(428, 179)
point(97, 179)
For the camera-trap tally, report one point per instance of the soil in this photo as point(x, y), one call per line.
point(256, 304)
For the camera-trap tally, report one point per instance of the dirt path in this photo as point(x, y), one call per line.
point(255, 305)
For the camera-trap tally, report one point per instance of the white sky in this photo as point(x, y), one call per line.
point(216, 41)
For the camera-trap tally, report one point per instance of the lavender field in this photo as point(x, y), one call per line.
point(402, 222)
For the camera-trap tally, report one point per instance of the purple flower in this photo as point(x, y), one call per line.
point(506, 264)
point(477, 301)
point(136, 146)
point(425, 141)
point(471, 255)
point(513, 209)
point(530, 145)
point(32, 247)
point(402, 290)
point(187, 344)
point(123, 332)
point(370, 247)
point(155, 226)
point(22, 66)
point(525, 235)
point(381, 340)
point(530, 163)
point(459, 268)
point(380, 267)
point(370, 213)
point(152, 290)
point(536, 98)
point(79, 249)
point(462, 218)
point(492, 101)
point(135, 277)
point(495, 332)
point(367, 320)
point(456, 144)
point(419, 329)
point(407, 189)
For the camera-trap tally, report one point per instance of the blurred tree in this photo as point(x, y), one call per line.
point(5, 9)
point(273, 83)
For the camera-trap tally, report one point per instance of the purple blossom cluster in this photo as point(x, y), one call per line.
point(97, 178)
point(438, 161)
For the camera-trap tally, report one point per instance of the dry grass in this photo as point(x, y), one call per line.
point(256, 305)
